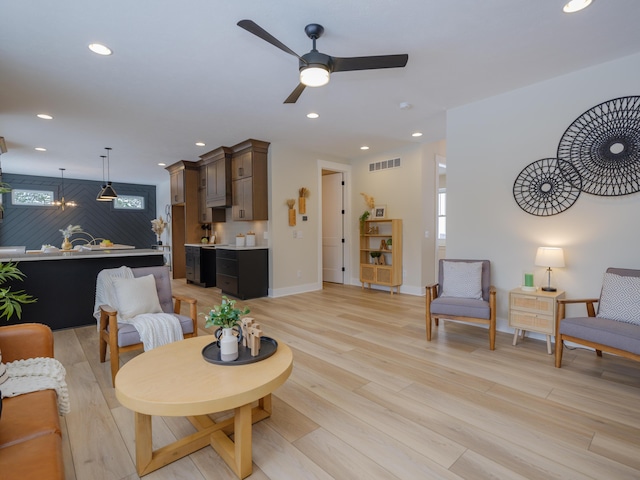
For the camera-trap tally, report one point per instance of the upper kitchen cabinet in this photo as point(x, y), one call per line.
point(184, 177)
point(215, 177)
point(249, 180)
point(185, 227)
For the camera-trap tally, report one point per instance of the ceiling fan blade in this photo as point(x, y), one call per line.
point(252, 27)
point(293, 98)
point(369, 63)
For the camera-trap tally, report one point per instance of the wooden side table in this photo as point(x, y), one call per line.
point(533, 312)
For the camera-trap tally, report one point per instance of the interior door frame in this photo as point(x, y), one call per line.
point(346, 227)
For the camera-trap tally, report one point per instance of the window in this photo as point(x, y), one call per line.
point(129, 202)
point(39, 198)
point(442, 214)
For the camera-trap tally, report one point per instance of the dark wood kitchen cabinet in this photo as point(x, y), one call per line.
point(243, 273)
point(215, 177)
point(249, 180)
point(201, 266)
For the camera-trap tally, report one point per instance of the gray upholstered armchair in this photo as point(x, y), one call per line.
point(463, 293)
point(123, 337)
point(614, 327)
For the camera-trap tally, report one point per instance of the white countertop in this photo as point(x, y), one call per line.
point(224, 247)
point(66, 255)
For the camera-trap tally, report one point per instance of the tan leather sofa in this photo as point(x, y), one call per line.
point(30, 436)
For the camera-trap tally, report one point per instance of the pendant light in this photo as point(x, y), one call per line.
point(100, 197)
point(108, 193)
point(62, 203)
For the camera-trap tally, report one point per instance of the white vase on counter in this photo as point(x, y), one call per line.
point(250, 240)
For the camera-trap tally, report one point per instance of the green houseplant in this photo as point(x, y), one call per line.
point(11, 301)
point(225, 315)
point(363, 218)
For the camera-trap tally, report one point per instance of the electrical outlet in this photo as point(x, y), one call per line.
point(299, 273)
point(299, 234)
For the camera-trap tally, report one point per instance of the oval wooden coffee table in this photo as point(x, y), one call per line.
point(174, 380)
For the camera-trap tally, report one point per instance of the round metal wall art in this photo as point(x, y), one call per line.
point(547, 187)
point(603, 146)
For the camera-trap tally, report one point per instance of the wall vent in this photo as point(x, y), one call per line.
point(384, 165)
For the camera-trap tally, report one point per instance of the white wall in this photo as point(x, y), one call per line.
point(488, 144)
point(294, 261)
point(408, 193)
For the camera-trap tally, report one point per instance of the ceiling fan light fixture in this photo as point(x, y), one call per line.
point(100, 49)
point(314, 76)
point(576, 5)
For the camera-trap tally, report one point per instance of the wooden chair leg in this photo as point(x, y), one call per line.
point(559, 348)
point(492, 336)
point(428, 328)
point(103, 349)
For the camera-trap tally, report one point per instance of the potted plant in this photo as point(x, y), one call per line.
point(226, 316)
point(389, 243)
point(11, 302)
point(363, 218)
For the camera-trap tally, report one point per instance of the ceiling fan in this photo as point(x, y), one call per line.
point(316, 67)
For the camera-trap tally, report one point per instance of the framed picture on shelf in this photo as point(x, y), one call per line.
point(380, 211)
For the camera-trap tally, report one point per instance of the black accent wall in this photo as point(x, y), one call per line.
point(34, 226)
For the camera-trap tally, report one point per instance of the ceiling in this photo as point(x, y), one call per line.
point(183, 72)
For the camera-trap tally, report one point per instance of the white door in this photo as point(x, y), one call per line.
point(332, 228)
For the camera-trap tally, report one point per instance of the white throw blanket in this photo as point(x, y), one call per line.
point(34, 374)
point(155, 329)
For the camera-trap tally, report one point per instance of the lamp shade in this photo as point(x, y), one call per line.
point(313, 76)
point(550, 257)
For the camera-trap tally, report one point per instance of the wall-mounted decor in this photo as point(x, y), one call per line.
point(292, 211)
point(303, 193)
point(603, 144)
point(542, 188)
point(598, 154)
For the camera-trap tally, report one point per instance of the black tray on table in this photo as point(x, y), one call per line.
point(268, 346)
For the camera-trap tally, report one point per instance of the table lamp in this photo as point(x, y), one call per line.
point(549, 257)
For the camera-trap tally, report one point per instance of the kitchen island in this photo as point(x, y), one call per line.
point(64, 282)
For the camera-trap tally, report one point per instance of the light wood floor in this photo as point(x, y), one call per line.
point(370, 398)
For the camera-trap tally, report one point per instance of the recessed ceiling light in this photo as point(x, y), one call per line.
point(44, 116)
point(312, 115)
point(576, 5)
point(100, 49)
point(364, 147)
point(200, 144)
point(161, 164)
point(416, 134)
point(41, 149)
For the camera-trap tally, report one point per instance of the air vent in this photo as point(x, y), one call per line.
point(384, 165)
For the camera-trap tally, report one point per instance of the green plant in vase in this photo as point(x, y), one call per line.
point(11, 302)
point(225, 315)
point(363, 218)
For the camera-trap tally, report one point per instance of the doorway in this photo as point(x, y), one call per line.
point(333, 262)
point(332, 227)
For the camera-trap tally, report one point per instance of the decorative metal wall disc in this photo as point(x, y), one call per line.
point(603, 144)
point(544, 188)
